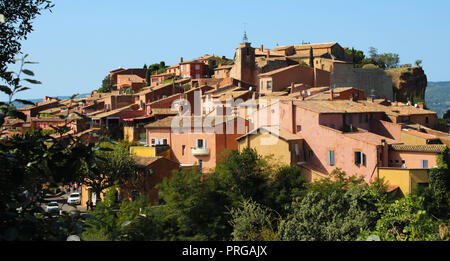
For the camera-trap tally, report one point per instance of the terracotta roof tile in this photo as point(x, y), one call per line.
point(418, 148)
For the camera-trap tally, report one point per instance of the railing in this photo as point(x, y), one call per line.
point(200, 151)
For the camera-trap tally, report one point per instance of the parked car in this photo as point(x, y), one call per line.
point(74, 199)
point(53, 208)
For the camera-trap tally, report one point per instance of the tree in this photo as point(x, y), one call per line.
point(418, 63)
point(287, 185)
point(145, 66)
point(111, 166)
point(406, 220)
point(446, 115)
point(311, 57)
point(18, 16)
point(253, 222)
point(245, 174)
point(148, 74)
point(357, 56)
point(335, 208)
point(212, 64)
point(107, 85)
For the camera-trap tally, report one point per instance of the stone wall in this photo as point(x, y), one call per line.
point(345, 75)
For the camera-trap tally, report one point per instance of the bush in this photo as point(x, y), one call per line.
point(370, 66)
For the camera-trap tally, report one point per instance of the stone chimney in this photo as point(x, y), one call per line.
point(262, 48)
point(181, 59)
point(268, 54)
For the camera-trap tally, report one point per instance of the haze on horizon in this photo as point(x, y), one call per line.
point(81, 41)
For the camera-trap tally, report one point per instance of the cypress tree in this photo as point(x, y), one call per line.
point(311, 57)
point(147, 77)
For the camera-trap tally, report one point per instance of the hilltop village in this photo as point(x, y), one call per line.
point(306, 105)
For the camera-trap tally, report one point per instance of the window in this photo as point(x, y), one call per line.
point(311, 154)
point(331, 157)
point(163, 142)
point(424, 164)
point(218, 72)
point(360, 158)
point(269, 85)
point(427, 120)
point(262, 85)
point(153, 141)
point(183, 149)
point(297, 150)
point(200, 165)
point(350, 119)
point(200, 144)
point(197, 67)
point(299, 128)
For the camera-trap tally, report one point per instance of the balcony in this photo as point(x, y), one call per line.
point(200, 151)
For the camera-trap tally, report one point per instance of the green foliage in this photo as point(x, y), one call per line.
point(287, 185)
point(212, 64)
point(245, 174)
point(334, 209)
point(111, 166)
point(370, 66)
point(253, 222)
point(148, 74)
point(405, 220)
point(418, 63)
point(197, 210)
point(311, 57)
point(383, 61)
point(158, 68)
point(18, 16)
point(107, 85)
point(357, 56)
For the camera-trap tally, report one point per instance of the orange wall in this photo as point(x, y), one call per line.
point(412, 159)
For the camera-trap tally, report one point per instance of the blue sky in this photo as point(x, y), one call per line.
point(82, 40)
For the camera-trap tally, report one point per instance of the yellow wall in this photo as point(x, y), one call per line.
point(143, 151)
point(412, 139)
point(311, 175)
point(406, 179)
point(279, 151)
point(128, 133)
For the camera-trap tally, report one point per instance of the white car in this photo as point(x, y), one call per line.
point(53, 208)
point(74, 199)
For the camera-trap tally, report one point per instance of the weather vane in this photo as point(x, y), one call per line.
point(245, 39)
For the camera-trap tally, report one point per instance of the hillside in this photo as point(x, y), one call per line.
point(437, 97)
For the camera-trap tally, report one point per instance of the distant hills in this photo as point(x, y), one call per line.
point(437, 97)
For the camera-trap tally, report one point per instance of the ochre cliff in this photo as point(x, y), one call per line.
point(408, 82)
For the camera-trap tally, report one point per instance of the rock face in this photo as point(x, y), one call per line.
point(408, 82)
